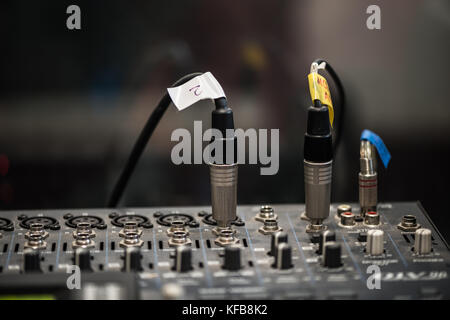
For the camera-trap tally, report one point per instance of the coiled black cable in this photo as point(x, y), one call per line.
point(342, 103)
point(141, 142)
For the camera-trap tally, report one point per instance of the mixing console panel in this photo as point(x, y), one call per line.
point(179, 253)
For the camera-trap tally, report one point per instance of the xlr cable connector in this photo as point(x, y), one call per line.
point(318, 162)
point(224, 173)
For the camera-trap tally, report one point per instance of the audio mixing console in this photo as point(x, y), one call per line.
point(180, 253)
point(318, 250)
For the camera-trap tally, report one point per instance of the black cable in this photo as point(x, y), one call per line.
point(141, 142)
point(342, 102)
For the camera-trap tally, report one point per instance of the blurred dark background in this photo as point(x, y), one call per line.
point(73, 102)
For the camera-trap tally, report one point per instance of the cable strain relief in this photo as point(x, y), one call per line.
point(221, 103)
point(318, 121)
point(222, 117)
point(318, 148)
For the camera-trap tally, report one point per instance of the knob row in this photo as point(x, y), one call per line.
point(328, 248)
point(422, 242)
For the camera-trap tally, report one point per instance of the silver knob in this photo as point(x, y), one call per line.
point(172, 291)
point(422, 242)
point(375, 242)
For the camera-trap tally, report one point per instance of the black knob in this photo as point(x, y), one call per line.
point(362, 236)
point(32, 261)
point(232, 259)
point(325, 237)
point(283, 256)
point(332, 255)
point(315, 237)
point(132, 260)
point(82, 258)
point(277, 238)
point(183, 259)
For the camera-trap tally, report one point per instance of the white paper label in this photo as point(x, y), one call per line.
point(199, 88)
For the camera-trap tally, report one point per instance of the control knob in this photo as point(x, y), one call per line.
point(375, 242)
point(422, 241)
point(332, 255)
point(31, 261)
point(82, 259)
point(283, 256)
point(232, 258)
point(325, 237)
point(277, 238)
point(132, 260)
point(183, 259)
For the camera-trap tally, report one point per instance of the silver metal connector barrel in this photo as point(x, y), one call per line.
point(317, 191)
point(224, 178)
point(368, 180)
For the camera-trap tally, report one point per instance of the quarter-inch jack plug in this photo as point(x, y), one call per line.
point(368, 181)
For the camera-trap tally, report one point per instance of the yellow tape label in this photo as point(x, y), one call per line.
point(319, 90)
